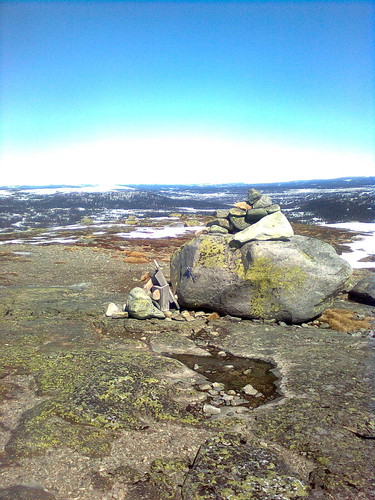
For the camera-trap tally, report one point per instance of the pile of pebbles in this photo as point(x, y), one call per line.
point(223, 402)
point(243, 214)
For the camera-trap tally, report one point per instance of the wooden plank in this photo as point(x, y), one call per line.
point(167, 296)
point(159, 276)
point(164, 298)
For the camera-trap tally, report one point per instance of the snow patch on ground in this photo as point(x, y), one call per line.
point(362, 246)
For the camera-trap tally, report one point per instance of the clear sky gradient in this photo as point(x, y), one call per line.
point(185, 91)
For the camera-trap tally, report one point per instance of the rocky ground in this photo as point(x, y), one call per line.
point(96, 408)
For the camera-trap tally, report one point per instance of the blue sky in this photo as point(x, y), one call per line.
point(185, 92)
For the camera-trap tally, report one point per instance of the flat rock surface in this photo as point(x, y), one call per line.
point(88, 410)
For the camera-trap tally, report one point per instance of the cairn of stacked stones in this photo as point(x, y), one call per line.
point(250, 264)
point(257, 218)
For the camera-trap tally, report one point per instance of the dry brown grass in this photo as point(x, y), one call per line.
point(133, 253)
point(345, 321)
point(136, 260)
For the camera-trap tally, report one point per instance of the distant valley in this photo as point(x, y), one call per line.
point(315, 201)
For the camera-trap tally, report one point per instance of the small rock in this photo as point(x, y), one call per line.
point(324, 325)
point(273, 208)
point(263, 202)
point(200, 314)
point(155, 295)
point(218, 229)
point(253, 195)
point(242, 409)
point(140, 305)
point(249, 390)
point(218, 385)
point(221, 213)
point(204, 387)
point(119, 315)
point(187, 316)
point(243, 205)
point(176, 316)
point(112, 309)
point(210, 409)
point(255, 215)
point(237, 212)
point(222, 354)
point(228, 398)
point(234, 319)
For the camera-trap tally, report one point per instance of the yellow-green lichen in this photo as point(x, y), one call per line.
point(212, 252)
point(93, 392)
point(266, 277)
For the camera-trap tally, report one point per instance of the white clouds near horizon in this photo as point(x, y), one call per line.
point(179, 159)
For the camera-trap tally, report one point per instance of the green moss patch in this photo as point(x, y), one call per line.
point(228, 467)
point(93, 393)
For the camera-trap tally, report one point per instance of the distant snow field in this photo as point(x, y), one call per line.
point(362, 246)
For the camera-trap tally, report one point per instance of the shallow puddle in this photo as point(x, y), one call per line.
point(248, 382)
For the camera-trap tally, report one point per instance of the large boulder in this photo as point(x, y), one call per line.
point(364, 291)
point(292, 281)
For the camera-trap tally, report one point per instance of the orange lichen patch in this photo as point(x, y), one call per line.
point(70, 249)
point(136, 260)
point(243, 205)
point(344, 321)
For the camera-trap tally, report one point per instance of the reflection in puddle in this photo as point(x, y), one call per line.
point(233, 383)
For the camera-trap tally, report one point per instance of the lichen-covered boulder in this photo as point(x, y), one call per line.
point(292, 281)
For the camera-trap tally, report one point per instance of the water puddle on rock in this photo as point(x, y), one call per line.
point(234, 384)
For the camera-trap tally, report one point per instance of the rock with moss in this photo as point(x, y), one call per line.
point(229, 467)
point(140, 306)
point(292, 281)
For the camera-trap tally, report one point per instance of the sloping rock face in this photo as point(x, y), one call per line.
point(292, 281)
